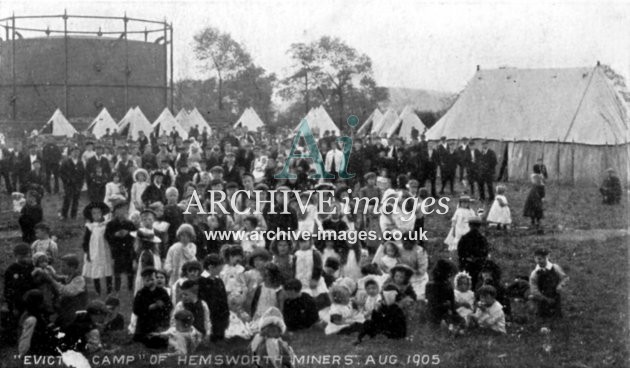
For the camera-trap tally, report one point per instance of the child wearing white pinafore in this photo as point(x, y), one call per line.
point(97, 263)
point(500, 211)
point(459, 222)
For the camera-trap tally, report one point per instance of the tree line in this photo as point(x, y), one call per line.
point(325, 72)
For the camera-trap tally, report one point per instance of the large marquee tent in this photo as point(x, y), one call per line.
point(58, 126)
point(573, 119)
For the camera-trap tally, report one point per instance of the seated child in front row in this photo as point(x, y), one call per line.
point(464, 297)
point(114, 321)
point(300, 311)
point(387, 317)
point(190, 301)
point(183, 338)
point(45, 243)
point(268, 346)
point(489, 314)
point(343, 318)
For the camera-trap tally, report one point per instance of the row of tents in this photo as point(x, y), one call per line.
point(135, 121)
point(390, 123)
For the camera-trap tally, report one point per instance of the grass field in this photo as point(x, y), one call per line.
point(580, 232)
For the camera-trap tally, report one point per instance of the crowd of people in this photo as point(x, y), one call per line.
point(189, 289)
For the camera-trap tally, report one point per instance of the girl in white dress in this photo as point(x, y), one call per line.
point(115, 191)
point(459, 223)
point(97, 262)
point(140, 183)
point(464, 297)
point(500, 211)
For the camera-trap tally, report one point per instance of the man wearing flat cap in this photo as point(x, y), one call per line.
point(230, 170)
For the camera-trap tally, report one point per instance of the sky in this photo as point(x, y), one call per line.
point(415, 44)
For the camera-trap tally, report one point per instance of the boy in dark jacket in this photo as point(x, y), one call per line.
point(299, 310)
point(388, 318)
point(17, 281)
point(118, 235)
point(152, 305)
point(31, 215)
point(212, 291)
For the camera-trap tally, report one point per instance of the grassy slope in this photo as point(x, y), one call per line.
point(594, 332)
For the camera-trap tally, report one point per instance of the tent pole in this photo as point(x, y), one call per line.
point(558, 160)
point(573, 163)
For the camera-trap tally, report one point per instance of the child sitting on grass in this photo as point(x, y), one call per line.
point(44, 242)
point(464, 297)
point(300, 311)
point(489, 314)
point(269, 346)
point(199, 309)
point(545, 284)
point(387, 318)
point(183, 337)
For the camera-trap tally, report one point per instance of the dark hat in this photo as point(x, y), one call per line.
point(283, 188)
point(369, 175)
point(89, 143)
point(259, 253)
point(231, 185)
point(73, 148)
point(97, 307)
point(247, 174)
point(216, 168)
point(87, 211)
point(146, 235)
point(147, 210)
point(192, 265)
point(119, 203)
point(325, 186)
point(214, 182)
point(404, 268)
point(112, 301)
point(543, 252)
point(261, 186)
point(156, 174)
point(443, 138)
point(475, 220)
point(21, 250)
point(147, 271)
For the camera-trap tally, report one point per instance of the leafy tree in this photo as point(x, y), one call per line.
point(333, 74)
point(221, 54)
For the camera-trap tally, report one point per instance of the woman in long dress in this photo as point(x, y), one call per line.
point(459, 223)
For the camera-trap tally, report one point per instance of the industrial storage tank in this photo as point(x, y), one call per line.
point(52, 64)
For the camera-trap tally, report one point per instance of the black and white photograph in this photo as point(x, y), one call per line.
point(306, 184)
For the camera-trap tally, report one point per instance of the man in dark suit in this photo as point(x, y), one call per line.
point(428, 170)
point(98, 160)
point(472, 166)
point(448, 167)
point(487, 166)
point(230, 170)
point(463, 158)
point(5, 167)
point(72, 174)
point(51, 156)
